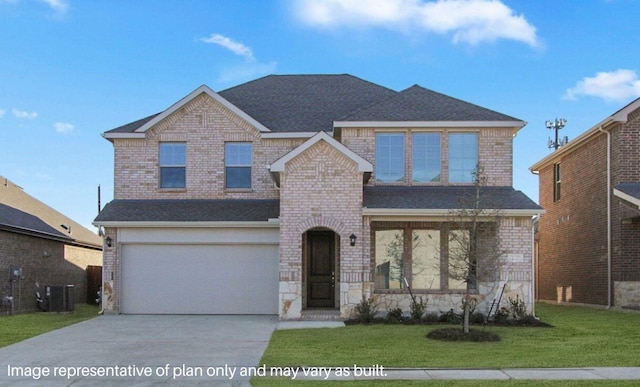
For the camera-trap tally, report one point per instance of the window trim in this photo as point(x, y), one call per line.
point(408, 228)
point(227, 166)
point(413, 155)
point(449, 158)
point(403, 180)
point(557, 182)
point(161, 166)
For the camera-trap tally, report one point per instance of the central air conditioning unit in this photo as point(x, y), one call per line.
point(59, 298)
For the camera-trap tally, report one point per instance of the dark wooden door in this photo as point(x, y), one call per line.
point(321, 269)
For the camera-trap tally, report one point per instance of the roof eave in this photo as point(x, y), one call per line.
point(186, 224)
point(447, 212)
point(584, 137)
point(624, 196)
point(517, 125)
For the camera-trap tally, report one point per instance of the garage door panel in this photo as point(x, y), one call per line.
point(199, 279)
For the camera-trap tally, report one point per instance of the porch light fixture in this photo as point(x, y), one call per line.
point(108, 241)
point(352, 239)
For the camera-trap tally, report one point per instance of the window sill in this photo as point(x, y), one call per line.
point(171, 190)
point(238, 190)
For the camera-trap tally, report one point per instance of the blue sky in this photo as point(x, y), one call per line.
point(71, 69)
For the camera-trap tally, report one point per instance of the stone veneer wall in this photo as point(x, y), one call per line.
point(495, 151)
point(320, 188)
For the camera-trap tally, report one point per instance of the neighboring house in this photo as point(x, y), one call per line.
point(48, 247)
point(286, 195)
point(589, 237)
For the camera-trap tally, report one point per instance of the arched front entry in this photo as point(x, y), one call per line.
point(321, 269)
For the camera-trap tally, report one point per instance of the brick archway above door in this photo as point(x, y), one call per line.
point(322, 222)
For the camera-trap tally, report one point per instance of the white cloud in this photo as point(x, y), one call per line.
point(63, 127)
point(59, 6)
point(24, 114)
point(618, 85)
point(231, 45)
point(469, 21)
point(2, 112)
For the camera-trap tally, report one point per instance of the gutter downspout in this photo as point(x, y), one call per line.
point(532, 286)
point(609, 275)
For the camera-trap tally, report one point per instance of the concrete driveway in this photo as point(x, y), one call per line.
point(141, 350)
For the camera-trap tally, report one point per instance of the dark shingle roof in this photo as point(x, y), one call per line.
point(419, 104)
point(132, 126)
point(223, 210)
point(311, 103)
point(303, 103)
point(21, 221)
point(445, 198)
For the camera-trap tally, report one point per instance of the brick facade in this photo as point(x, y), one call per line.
point(320, 188)
point(572, 264)
point(46, 262)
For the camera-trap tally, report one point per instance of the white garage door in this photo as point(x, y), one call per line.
point(199, 279)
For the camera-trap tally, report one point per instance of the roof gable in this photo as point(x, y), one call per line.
point(363, 165)
point(138, 128)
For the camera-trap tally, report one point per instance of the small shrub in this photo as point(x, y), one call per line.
point(366, 310)
point(394, 315)
point(477, 318)
point(431, 318)
point(502, 317)
point(450, 317)
point(457, 334)
point(418, 308)
point(518, 308)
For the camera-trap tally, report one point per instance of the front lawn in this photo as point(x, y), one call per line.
point(23, 326)
point(580, 337)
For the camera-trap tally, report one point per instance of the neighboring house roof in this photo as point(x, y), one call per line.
point(197, 210)
point(313, 103)
point(621, 116)
point(444, 199)
point(418, 104)
point(20, 221)
point(629, 192)
point(20, 212)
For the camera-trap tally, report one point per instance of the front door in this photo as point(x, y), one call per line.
point(321, 269)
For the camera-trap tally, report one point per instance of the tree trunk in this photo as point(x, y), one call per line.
point(465, 323)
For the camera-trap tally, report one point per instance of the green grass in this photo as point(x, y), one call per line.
point(259, 382)
point(19, 327)
point(581, 337)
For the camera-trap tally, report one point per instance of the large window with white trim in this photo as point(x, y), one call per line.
point(237, 163)
point(173, 161)
point(390, 157)
point(463, 156)
point(426, 158)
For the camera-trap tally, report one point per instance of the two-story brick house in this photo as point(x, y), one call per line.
point(589, 239)
point(290, 193)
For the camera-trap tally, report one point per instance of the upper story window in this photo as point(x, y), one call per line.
point(426, 157)
point(463, 157)
point(173, 161)
point(557, 181)
point(237, 164)
point(390, 157)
